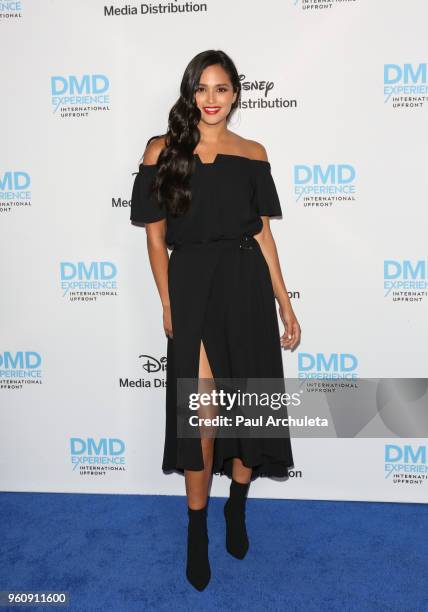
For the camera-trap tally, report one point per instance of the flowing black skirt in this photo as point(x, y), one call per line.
point(221, 293)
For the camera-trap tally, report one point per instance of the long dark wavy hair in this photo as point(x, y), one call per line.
point(176, 161)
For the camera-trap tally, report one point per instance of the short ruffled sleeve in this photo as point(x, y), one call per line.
point(145, 207)
point(266, 196)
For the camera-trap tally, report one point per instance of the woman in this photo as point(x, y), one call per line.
point(208, 193)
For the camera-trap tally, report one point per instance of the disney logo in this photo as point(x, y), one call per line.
point(265, 86)
point(152, 364)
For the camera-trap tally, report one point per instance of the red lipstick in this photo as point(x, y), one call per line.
point(211, 110)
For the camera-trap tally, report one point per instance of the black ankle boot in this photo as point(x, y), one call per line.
point(198, 569)
point(234, 511)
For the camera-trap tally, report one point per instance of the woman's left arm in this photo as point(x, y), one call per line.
point(291, 337)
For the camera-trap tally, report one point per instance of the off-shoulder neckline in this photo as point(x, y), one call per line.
point(227, 155)
point(217, 157)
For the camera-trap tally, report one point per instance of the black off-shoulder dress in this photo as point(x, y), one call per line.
point(220, 292)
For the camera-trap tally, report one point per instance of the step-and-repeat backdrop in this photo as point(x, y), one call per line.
point(337, 93)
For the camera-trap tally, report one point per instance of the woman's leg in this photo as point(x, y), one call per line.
point(237, 542)
point(240, 473)
point(198, 481)
point(198, 569)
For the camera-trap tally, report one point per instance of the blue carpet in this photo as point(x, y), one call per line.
point(127, 552)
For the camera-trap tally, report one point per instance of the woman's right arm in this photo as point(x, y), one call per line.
point(156, 245)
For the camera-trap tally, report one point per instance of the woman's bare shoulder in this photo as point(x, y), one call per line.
point(153, 150)
point(250, 148)
point(256, 150)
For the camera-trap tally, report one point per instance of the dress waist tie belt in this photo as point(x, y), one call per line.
point(245, 241)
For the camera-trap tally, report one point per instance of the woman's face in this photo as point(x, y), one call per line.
point(214, 96)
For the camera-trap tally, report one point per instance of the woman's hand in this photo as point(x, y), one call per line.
point(291, 337)
point(167, 321)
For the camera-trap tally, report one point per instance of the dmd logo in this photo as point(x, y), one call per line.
point(19, 368)
point(320, 5)
point(14, 190)
point(87, 281)
point(78, 96)
point(406, 464)
point(332, 366)
point(406, 84)
point(151, 365)
point(262, 98)
point(322, 186)
point(96, 458)
point(10, 10)
point(405, 280)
